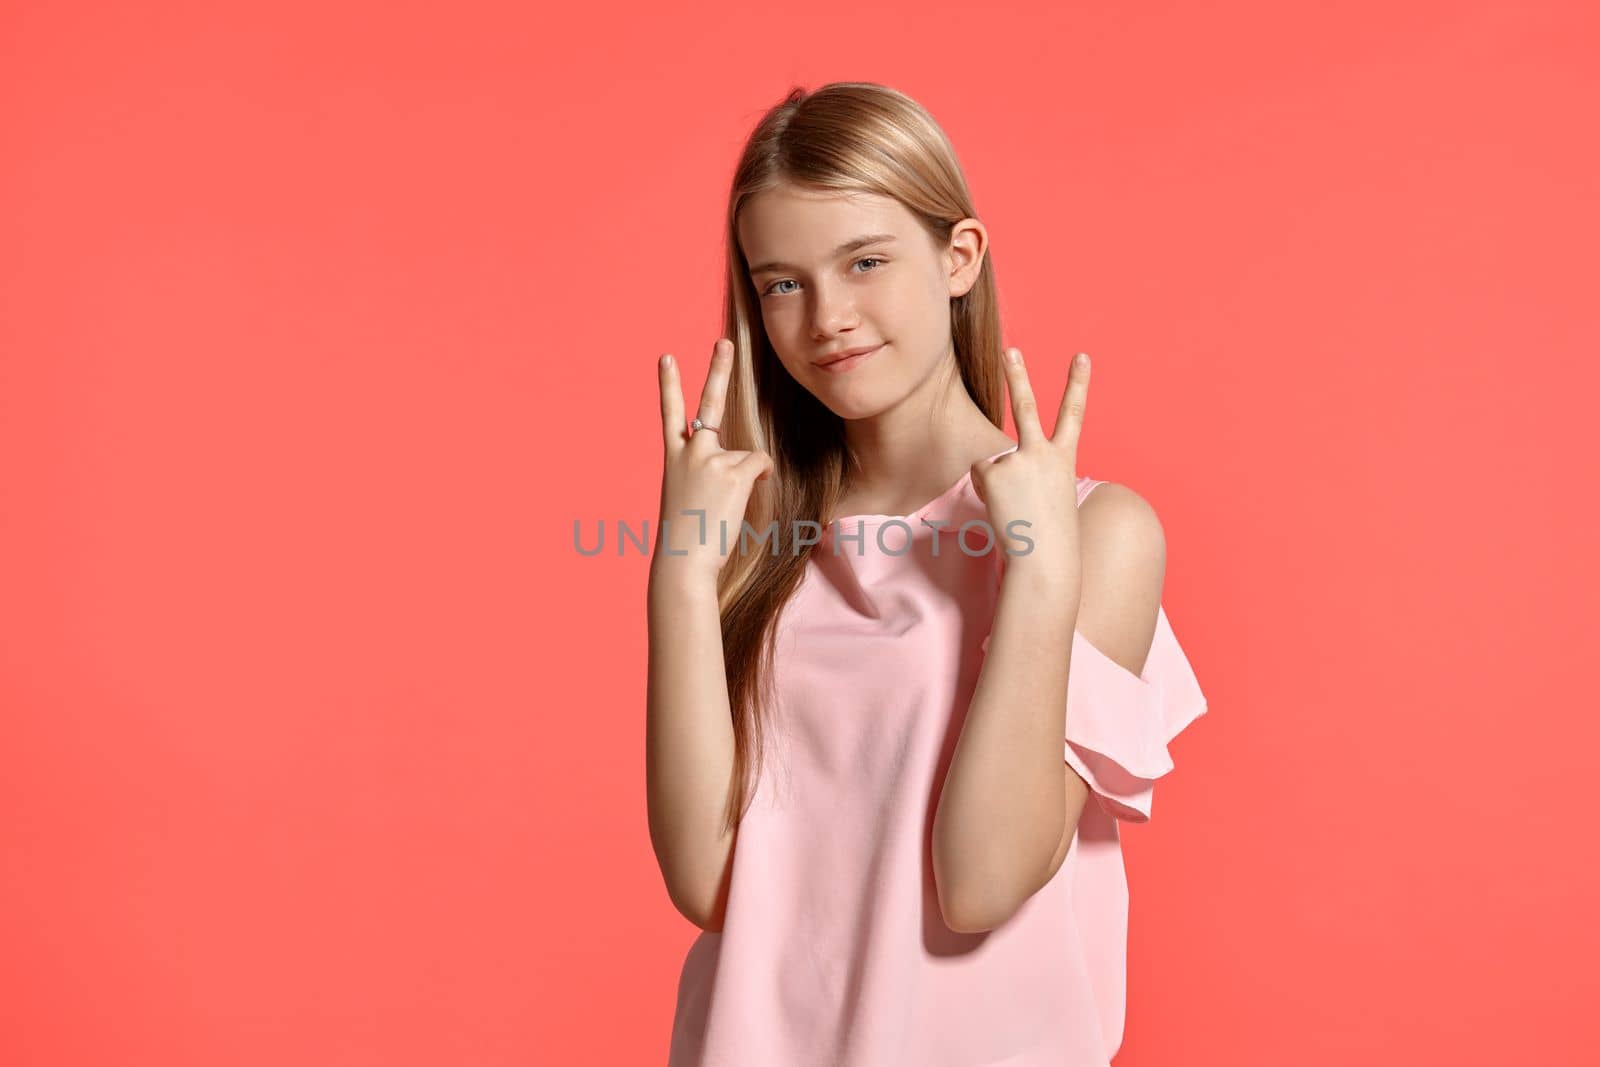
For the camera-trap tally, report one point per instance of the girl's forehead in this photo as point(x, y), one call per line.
point(844, 202)
point(779, 221)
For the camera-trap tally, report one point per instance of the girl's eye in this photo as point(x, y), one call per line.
point(863, 259)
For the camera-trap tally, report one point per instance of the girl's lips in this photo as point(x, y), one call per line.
point(839, 366)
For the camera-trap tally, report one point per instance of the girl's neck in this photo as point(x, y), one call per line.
point(917, 449)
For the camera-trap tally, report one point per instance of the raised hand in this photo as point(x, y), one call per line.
point(1037, 482)
point(699, 474)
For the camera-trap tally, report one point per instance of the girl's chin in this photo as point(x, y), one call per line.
point(854, 407)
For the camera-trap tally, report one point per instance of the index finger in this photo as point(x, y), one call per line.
point(671, 403)
point(1023, 407)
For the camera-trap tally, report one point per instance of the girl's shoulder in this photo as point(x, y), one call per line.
point(1117, 524)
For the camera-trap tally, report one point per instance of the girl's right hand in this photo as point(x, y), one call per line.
point(699, 474)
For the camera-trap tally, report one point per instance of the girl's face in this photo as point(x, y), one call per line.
point(841, 271)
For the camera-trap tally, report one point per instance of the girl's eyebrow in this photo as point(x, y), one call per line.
point(849, 246)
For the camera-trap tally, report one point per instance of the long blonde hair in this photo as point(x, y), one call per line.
point(843, 137)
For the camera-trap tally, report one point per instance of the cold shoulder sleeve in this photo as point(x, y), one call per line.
point(1120, 723)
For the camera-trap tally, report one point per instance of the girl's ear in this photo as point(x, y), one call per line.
point(964, 257)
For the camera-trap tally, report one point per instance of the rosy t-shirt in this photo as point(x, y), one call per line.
point(833, 949)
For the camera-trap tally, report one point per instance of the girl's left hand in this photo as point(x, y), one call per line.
point(1036, 485)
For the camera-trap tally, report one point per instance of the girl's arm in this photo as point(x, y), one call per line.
point(1000, 812)
point(688, 743)
point(1010, 804)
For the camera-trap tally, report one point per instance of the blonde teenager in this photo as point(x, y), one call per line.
point(885, 781)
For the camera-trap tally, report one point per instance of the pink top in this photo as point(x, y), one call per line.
point(833, 949)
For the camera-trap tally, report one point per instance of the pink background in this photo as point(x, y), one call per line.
point(320, 744)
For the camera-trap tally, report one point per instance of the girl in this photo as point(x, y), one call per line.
point(874, 620)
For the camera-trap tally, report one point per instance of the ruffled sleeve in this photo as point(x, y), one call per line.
point(1120, 723)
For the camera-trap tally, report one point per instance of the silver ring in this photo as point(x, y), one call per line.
point(698, 425)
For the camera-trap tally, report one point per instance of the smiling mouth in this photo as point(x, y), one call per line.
point(844, 363)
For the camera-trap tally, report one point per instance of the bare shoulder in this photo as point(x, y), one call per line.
point(1121, 523)
point(1124, 558)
